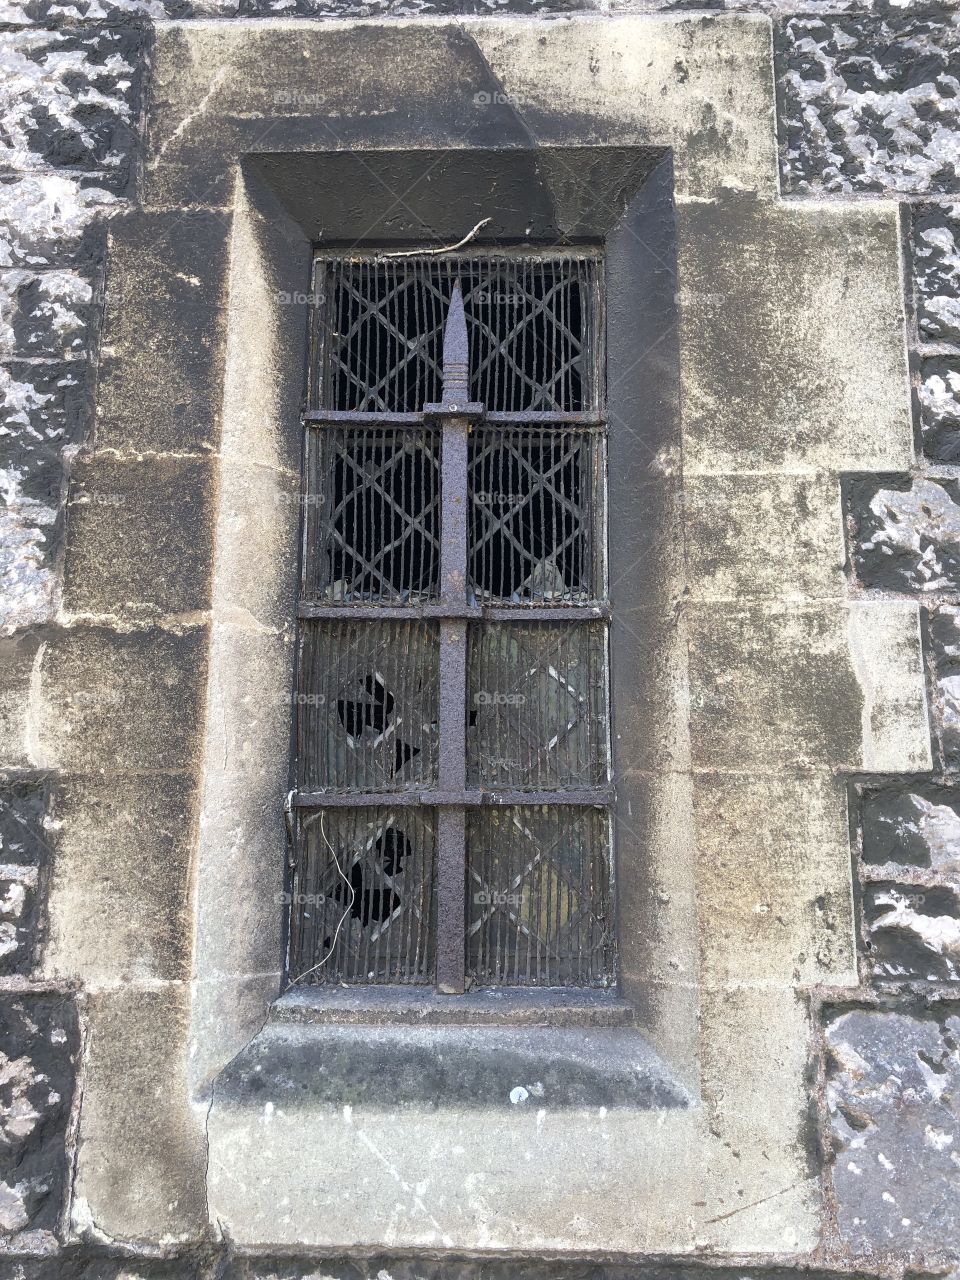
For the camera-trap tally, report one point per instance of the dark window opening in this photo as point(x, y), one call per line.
point(452, 784)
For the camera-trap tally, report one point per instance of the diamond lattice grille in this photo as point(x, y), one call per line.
point(538, 897)
point(536, 706)
point(362, 896)
point(531, 323)
point(536, 515)
point(372, 515)
point(451, 707)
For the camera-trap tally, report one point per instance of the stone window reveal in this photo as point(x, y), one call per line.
point(452, 777)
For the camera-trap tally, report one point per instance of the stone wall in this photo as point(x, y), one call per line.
point(869, 104)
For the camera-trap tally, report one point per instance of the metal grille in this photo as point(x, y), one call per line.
point(536, 512)
point(538, 895)
point(532, 323)
point(362, 897)
point(452, 756)
point(367, 706)
point(372, 514)
point(537, 706)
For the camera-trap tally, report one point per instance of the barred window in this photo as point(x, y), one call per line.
point(452, 760)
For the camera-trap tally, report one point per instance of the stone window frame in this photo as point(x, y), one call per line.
point(747, 1055)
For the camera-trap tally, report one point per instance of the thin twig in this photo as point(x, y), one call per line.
point(447, 248)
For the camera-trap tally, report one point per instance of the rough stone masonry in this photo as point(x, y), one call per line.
point(94, 606)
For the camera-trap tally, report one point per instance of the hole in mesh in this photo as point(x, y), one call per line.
point(374, 898)
point(371, 710)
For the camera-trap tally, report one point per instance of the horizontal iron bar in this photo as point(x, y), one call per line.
point(588, 796)
point(525, 417)
point(484, 613)
point(477, 249)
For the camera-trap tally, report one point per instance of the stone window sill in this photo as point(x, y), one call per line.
point(396, 1047)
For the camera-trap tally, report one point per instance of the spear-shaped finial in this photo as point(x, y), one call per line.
point(456, 353)
point(455, 399)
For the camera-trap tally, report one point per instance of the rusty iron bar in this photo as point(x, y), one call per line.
point(599, 797)
point(455, 413)
point(443, 610)
point(519, 417)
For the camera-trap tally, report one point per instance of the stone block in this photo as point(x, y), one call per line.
point(916, 826)
point(773, 880)
point(119, 905)
point(46, 315)
point(869, 102)
point(893, 1084)
point(805, 379)
point(935, 245)
point(141, 1158)
point(905, 535)
point(139, 536)
point(19, 656)
point(939, 398)
point(943, 636)
point(122, 702)
point(73, 100)
point(52, 219)
point(785, 686)
point(912, 930)
point(764, 537)
point(39, 1047)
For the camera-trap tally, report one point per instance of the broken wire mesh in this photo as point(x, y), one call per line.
point(367, 706)
point(362, 896)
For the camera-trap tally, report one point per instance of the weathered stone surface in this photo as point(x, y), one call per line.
point(120, 882)
point(764, 537)
point(45, 315)
point(935, 242)
point(139, 536)
point(44, 410)
point(38, 1053)
point(115, 702)
point(163, 333)
point(19, 656)
point(906, 535)
point(24, 831)
point(773, 865)
point(69, 100)
point(813, 378)
point(915, 826)
point(141, 1157)
point(939, 396)
point(913, 930)
point(870, 103)
point(50, 219)
point(18, 918)
point(943, 630)
point(806, 685)
point(894, 1096)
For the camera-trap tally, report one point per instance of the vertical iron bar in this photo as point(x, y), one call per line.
point(451, 824)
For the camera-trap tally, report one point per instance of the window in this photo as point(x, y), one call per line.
point(452, 762)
